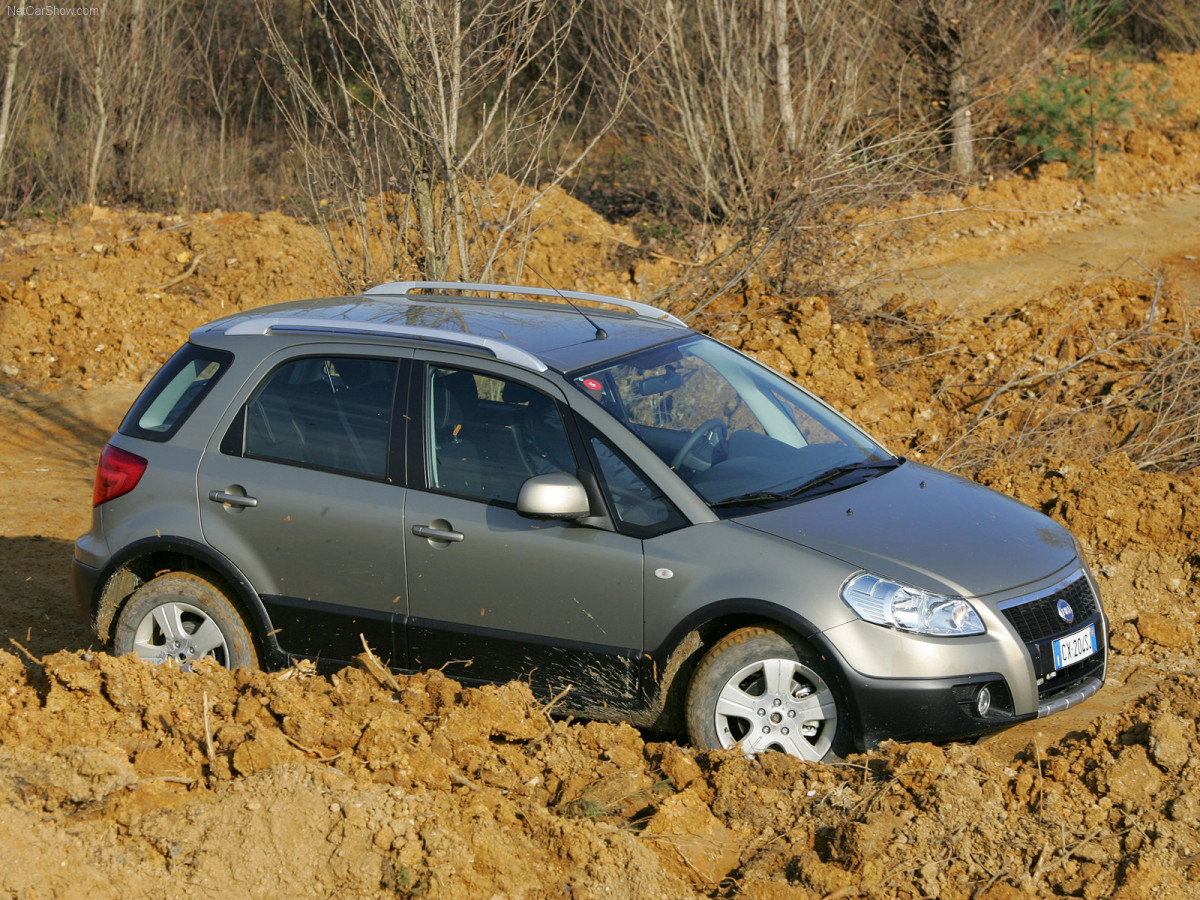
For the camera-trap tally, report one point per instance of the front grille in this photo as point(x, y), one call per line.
point(1039, 619)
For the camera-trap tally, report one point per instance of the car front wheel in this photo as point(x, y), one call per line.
point(762, 689)
point(183, 617)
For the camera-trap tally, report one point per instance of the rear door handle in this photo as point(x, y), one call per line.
point(437, 534)
point(232, 499)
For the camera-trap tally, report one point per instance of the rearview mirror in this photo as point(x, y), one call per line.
point(553, 496)
point(670, 380)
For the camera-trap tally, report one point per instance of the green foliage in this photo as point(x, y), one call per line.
point(1061, 117)
point(1159, 101)
point(1094, 22)
point(402, 880)
point(659, 230)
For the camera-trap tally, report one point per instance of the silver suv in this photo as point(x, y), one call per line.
point(510, 482)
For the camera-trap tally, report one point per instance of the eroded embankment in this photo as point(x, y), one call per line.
point(123, 779)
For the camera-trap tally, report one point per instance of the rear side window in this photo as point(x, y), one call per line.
point(324, 412)
point(174, 392)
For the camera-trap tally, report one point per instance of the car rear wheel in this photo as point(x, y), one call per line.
point(762, 689)
point(183, 617)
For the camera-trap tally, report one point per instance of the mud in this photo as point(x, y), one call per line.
point(975, 347)
point(123, 780)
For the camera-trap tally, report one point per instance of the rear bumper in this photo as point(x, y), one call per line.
point(84, 579)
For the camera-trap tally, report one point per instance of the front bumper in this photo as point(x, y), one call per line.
point(946, 709)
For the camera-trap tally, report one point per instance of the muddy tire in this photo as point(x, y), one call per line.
point(183, 617)
point(762, 689)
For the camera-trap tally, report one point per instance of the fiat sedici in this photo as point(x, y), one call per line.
point(581, 492)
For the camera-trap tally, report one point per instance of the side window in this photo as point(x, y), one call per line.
point(174, 392)
point(640, 508)
point(326, 412)
point(487, 435)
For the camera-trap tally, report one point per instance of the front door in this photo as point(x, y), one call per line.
point(495, 596)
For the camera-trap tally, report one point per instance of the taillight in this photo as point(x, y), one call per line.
point(118, 473)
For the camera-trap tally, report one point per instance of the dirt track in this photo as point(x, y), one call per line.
point(1137, 239)
point(121, 780)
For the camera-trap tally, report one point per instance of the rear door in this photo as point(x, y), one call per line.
point(299, 489)
point(493, 595)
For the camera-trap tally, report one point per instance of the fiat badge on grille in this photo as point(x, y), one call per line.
point(1065, 612)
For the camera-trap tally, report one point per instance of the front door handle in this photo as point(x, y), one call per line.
point(437, 534)
point(232, 499)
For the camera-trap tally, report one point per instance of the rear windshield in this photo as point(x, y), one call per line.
point(174, 392)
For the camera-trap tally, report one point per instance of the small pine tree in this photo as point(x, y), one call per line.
point(1060, 117)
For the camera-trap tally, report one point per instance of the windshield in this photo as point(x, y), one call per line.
point(738, 433)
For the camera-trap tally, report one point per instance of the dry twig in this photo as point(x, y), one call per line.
point(208, 742)
point(170, 282)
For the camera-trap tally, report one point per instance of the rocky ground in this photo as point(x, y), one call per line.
point(1015, 333)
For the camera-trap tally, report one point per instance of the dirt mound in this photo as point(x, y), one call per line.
point(1104, 364)
point(1140, 530)
point(366, 786)
point(109, 294)
point(128, 779)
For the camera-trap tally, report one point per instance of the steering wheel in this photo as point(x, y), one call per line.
point(714, 431)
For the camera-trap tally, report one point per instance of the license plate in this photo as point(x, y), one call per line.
point(1074, 647)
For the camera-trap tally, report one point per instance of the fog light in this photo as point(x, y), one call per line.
point(983, 701)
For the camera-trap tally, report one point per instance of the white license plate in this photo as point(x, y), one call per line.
point(1074, 647)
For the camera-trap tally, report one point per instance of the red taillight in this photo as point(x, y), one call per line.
point(118, 473)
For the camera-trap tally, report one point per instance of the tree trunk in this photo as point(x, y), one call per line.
point(10, 79)
point(101, 132)
point(783, 74)
point(962, 142)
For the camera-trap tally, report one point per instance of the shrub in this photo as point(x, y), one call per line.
point(1062, 117)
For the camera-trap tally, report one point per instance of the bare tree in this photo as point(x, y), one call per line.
point(418, 107)
point(967, 50)
point(152, 64)
point(1165, 24)
point(218, 41)
point(11, 97)
point(100, 74)
point(126, 65)
point(766, 126)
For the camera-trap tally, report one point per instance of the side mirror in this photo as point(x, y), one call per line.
point(553, 496)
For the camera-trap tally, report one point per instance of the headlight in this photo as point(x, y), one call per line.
point(910, 609)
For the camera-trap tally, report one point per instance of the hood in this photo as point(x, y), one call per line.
point(929, 529)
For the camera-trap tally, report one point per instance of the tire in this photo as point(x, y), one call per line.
point(762, 689)
point(183, 617)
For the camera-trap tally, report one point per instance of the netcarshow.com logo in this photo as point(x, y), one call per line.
point(54, 10)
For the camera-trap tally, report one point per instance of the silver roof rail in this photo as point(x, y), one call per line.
point(502, 350)
point(394, 288)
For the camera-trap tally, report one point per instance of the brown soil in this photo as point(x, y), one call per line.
point(122, 780)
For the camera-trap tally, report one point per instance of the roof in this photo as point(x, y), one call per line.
point(534, 334)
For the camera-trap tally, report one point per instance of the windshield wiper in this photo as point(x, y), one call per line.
point(755, 498)
point(764, 498)
point(838, 471)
